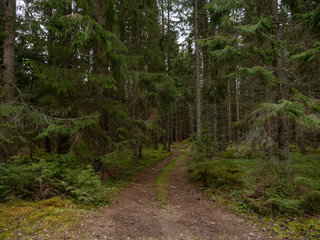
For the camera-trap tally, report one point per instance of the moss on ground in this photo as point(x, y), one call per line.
point(42, 219)
point(294, 228)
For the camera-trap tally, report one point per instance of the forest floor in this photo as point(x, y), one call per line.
point(137, 214)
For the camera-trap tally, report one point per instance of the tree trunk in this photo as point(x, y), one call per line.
point(300, 141)
point(168, 39)
point(186, 121)
point(168, 133)
point(162, 17)
point(164, 136)
point(198, 80)
point(229, 114)
point(6, 149)
point(191, 118)
point(315, 142)
point(9, 52)
point(140, 145)
point(156, 140)
point(134, 148)
point(215, 128)
point(48, 145)
point(283, 137)
point(205, 53)
point(238, 111)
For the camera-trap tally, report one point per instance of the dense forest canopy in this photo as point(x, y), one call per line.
point(83, 80)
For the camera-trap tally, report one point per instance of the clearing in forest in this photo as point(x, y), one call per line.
point(137, 212)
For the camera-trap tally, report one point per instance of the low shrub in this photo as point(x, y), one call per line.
point(218, 174)
point(312, 202)
point(47, 177)
point(267, 186)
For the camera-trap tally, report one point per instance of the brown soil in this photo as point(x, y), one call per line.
point(136, 214)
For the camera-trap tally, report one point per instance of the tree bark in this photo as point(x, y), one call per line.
point(140, 145)
point(134, 148)
point(229, 114)
point(238, 111)
point(205, 55)
point(301, 141)
point(215, 128)
point(168, 39)
point(315, 142)
point(9, 67)
point(198, 80)
point(164, 136)
point(168, 132)
point(9, 52)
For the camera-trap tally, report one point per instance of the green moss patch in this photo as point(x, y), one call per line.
point(42, 219)
point(294, 228)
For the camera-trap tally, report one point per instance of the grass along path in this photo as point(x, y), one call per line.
point(163, 178)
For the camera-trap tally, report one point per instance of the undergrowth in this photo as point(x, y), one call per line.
point(48, 176)
point(266, 188)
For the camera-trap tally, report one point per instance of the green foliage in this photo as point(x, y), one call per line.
point(294, 110)
point(84, 185)
point(262, 186)
point(263, 26)
point(221, 41)
point(27, 125)
point(284, 206)
point(312, 202)
point(311, 18)
point(221, 8)
point(226, 53)
point(70, 127)
point(266, 76)
point(51, 175)
point(83, 31)
point(47, 177)
point(307, 56)
point(218, 175)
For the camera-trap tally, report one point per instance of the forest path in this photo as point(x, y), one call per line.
point(136, 213)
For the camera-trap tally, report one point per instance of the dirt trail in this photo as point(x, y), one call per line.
point(136, 214)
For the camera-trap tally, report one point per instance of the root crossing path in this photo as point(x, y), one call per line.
point(136, 213)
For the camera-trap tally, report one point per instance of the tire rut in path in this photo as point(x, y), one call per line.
point(136, 214)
